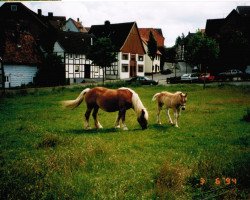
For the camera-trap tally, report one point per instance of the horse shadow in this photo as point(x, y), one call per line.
point(158, 127)
point(94, 131)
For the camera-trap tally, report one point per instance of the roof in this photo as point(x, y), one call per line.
point(118, 33)
point(243, 10)
point(20, 48)
point(157, 33)
point(74, 42)
point(213, 26)
point(78, 25)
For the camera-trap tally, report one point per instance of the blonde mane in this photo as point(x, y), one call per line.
point(137, 104)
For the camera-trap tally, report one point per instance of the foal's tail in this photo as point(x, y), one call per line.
point(74, 103)
point(155, 96)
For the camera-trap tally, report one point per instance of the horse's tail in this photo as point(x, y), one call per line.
point(74, 103)
point(155, 96)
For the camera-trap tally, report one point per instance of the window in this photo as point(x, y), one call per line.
point(77, 68)
point(140, 68)
point(124, 56)
point(140, 58)
point(13, 8)
point(124, 68)
point(70, 56)
point(76, 56)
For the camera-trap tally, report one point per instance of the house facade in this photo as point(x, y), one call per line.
point(232, 33)
point(128, 46)
point(157, 33)
point(20, 60)
point(24, 35)
point(72, 46)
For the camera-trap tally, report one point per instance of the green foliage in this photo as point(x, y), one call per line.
point(102, 53)
point(51, 72)
point(152, 46)
point(46, 154)
point(201, 49)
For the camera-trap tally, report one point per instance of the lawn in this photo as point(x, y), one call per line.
point(46, 153)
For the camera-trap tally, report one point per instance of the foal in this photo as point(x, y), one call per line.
point(176, 101)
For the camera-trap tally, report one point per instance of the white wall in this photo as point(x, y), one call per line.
point(19, 74)
point(148, 61)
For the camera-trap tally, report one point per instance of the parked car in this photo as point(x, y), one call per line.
point(207, 77)
point(166, 71)
point(231, 72)
point(142, 80)
point(191, 77)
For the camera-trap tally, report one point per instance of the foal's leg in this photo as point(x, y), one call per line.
point(87, 114)
point(94, 114)
point(176, 114)
point(158, 113)
point(169, 117)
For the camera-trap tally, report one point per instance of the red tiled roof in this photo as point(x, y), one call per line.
point(20, 48)
point(144, 33)
point(79, 26)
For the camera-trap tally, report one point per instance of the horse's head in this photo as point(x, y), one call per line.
point(183, 100)
point(143, 119)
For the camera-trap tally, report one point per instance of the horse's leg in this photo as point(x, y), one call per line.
point(117, 122)
point(94, 114)
point(158, 113)
point(176, 114)
point(87, 114)
point(169, 117)
point(123, 114)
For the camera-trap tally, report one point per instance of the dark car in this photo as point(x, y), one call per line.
point(142, 80)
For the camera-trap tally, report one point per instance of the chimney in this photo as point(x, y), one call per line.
point(39, 12)
point(77, 19)
point(50, 15)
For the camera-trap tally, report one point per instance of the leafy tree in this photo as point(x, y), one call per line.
point(152, 48)
point(201, 50)
point(102, 53)
point(51, 72)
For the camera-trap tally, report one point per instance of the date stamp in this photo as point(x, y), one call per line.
point(220, 181)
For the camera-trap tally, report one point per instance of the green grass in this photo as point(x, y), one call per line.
point(46, 153)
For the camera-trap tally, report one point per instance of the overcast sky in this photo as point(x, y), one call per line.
point(173, 17)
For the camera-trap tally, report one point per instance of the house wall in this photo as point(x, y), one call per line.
point(126, 74)
point(148, 62)
point(17, 75)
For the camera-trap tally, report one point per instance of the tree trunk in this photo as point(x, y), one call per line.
point(152, 70)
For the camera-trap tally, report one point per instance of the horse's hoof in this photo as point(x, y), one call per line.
point(118, 126)
point(88, 128)
point(125, 128)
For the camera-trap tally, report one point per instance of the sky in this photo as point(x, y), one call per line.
point(173, 17)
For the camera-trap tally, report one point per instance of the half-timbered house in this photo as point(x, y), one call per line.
point(72, 47)
point(129, 48)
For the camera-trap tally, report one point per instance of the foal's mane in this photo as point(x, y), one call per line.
point(137, 104)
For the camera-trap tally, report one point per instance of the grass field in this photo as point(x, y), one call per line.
point(46, 154)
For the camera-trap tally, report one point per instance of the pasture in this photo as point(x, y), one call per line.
point(46, 154)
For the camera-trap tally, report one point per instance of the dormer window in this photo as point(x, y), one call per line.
point(13, 8)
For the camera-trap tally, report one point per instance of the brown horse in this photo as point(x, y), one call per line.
point(110, 100)
point(176, 101)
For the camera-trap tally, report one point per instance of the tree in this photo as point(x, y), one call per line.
point(51, 72)
point(201, 50)
point(102, 53)
point(152, 48)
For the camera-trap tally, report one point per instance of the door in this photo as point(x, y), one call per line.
point(87, 71)
point(132, 66)
point(7, 81)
